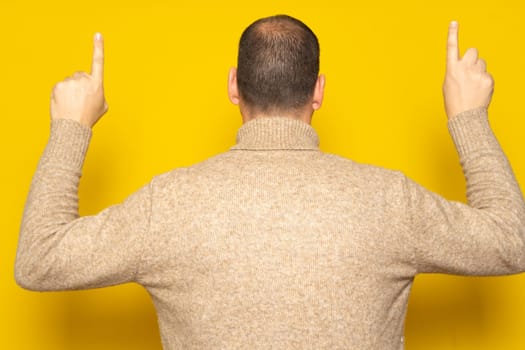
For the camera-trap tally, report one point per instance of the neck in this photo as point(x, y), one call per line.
point(303, 115)
point(305, 119)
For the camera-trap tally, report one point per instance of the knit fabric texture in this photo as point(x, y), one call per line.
point(274, 244)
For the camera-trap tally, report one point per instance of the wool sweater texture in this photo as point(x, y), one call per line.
point(274, 244)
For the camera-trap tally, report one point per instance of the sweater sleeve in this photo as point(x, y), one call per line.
point(485, 236)
point(57, 249)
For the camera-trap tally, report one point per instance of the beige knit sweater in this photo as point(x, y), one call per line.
point(274, 244)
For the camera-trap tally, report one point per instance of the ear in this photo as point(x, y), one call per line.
point(233, 90)
point(318, 96)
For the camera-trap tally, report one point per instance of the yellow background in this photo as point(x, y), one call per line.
point(166, 71)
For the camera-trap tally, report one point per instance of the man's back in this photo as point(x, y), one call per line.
point(277, 244)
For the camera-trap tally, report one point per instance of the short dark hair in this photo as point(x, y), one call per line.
point(278, 64)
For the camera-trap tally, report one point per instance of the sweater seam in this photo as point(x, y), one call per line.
point(410, 224)
point(144, 235)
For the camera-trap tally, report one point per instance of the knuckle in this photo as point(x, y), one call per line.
point(58, 86)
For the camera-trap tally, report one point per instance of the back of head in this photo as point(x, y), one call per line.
point(278, 65)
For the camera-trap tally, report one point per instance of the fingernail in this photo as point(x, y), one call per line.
point(98, 36)
point(454, 23)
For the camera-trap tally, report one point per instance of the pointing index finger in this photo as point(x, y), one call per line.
point(97, 66)
point(452, 43)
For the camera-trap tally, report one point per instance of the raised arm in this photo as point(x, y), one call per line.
point(487, 236)
point(57, 249)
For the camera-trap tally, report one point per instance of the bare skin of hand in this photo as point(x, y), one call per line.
point(81, 96)
point(467, 83)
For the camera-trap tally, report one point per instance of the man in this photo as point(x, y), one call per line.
point(273, 243)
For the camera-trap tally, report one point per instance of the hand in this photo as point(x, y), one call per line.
point(467, 84)
point(81, 96)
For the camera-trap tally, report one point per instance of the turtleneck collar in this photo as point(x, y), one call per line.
point(276, 133)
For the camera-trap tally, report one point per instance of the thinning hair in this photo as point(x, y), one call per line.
point(278, 64)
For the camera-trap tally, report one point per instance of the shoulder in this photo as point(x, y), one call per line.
point(369, 173)
point(191, 173)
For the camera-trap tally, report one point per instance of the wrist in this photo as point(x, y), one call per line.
point(466, 110)
point(68, 143)
point(471, 132)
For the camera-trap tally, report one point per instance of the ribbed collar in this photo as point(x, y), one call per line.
point(273, 133)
